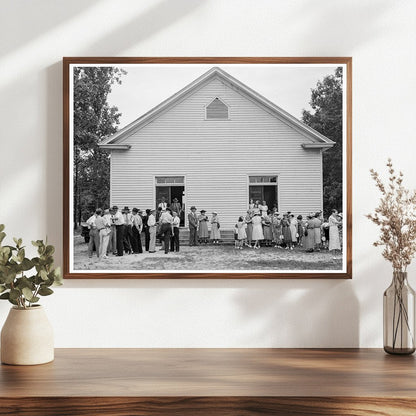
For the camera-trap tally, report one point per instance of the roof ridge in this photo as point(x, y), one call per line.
point(214, 71)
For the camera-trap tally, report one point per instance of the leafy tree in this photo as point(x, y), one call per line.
point(326, 118)
point(94, 119)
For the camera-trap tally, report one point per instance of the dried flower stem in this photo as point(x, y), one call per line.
point(396, 216)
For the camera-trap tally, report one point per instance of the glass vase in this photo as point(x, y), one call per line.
point(399, 316)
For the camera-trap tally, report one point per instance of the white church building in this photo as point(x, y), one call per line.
point(215, 144)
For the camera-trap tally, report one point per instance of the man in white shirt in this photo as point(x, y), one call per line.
point(103, 225)
point(118, 221)
point(165, 222)
point(94, 234)
point(174, 241)
point(151, 222)
point(163, 204)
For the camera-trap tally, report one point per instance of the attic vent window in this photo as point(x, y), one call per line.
point(216, 110)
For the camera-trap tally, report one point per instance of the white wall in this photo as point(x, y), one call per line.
point(380, 35)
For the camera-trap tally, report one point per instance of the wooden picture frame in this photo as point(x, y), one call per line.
point(228, 106)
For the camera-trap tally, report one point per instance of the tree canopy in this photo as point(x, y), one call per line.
point(326, 118)
point(94, 119)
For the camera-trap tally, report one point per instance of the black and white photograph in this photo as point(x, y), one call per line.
point(207, 168)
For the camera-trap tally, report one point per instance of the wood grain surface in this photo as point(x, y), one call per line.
point(212, 381)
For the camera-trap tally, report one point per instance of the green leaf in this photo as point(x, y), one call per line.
point(45, 291)
point(43, 274)
point(5, 295)
point(17, 241)
point(2, 227)
point(26, 264)
point(2, 288)
point(49, 250)
point(27, 293)
point(57, 276)
point(9, 277)
point(15, 294)
point(37, 243)
point(21, 255)
point(2, 236)
point(41, 249)
point(24, 282)
point(35, 261)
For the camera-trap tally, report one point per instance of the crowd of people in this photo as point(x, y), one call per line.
point(121, 232)
point(264, 227)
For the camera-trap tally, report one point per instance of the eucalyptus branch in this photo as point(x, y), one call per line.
point(18, 286)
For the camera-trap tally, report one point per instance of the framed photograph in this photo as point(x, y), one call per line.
point(207, 168)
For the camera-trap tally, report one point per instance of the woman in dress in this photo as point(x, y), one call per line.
point(249, 230)
point(309, 234)
point(287, 235)
point(251, 204)
point(334, 241)
point(325, 232)
point(293, 229)
point(241, 234)
point(276, 228)
point(257, 230)
point(267, 229)
point(300, 230)
point(203, 227)
point(215, 228)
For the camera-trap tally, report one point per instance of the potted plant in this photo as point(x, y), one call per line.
point(396, 217)
point(27, 336)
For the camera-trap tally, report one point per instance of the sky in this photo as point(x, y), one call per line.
point(147, 85)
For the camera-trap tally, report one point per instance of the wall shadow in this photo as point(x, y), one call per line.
point(301, 313)
point(44, 17)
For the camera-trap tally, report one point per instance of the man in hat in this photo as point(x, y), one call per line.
point(118, 221)
point(145, 218)
point(176, 207)
point(137, 225)
point(128, 230)
point(193, 227)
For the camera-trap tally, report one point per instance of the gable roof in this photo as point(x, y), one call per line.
point(114, 142)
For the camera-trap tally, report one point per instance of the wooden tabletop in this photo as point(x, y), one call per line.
point(263, 377)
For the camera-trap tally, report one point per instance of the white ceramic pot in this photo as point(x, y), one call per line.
point(27, 337)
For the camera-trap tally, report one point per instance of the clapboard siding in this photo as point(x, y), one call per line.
point(217, 156)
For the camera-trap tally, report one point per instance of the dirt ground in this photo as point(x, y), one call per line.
point(209, 258)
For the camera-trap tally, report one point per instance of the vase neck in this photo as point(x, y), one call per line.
point(399, 276)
